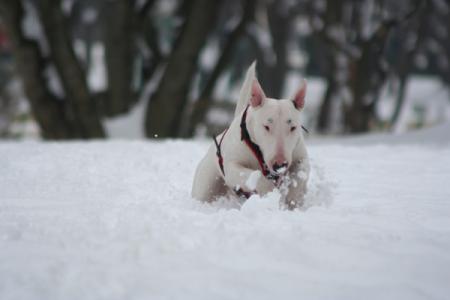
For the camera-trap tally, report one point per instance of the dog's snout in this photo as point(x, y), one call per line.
point(280, 167)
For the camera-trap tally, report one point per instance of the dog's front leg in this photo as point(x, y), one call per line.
point(297, 184)
point(239, 177)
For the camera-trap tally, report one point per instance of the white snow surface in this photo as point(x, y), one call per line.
point(252, 180)
point(114, 220)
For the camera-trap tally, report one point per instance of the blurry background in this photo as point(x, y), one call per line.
point(81, 69)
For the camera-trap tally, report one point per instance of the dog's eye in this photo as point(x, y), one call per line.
point(293, 128)
point(266, 128)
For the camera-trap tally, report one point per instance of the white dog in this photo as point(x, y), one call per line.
point(263, 149)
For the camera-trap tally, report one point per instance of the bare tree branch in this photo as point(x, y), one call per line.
point(166, 107)
point(203, 103)
point(49, 112)
point(69, 69)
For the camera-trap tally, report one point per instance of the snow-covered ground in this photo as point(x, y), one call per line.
point(114, 220)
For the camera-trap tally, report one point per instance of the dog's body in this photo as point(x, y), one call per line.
point(273, 126)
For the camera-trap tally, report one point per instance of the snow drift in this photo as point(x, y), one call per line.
point(114, 220)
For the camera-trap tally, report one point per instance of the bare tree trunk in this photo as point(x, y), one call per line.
point(203, 103)
point(119, 44)
point(166, 107)
point(406, 59)
point(359, 115)
point(272, 74)
point(367, 76)
point(148, 35)
point(69, 69)
point(279, 28)
point(323, 123)
point(332, 18)
point(49, 112)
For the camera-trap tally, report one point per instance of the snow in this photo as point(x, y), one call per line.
point(252, 180)
point(209, 55)
point(32, 28)
point(129, 126)
point(114, 220)
point(255, 204)
point(89, 16)
point(438, 136)
point(54, 82)
point(97, 77)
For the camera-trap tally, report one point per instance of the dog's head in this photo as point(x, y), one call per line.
point(275, 126)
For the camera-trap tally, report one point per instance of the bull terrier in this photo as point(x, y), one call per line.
point(263, 149)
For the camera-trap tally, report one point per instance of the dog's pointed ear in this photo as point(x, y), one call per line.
point(257, 98)
point(299, 98)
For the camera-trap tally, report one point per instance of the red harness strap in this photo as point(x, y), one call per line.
point(219, 152)
point(245, 136)
point(239, 191)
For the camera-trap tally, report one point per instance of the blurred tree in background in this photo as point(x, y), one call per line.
point(82, 62)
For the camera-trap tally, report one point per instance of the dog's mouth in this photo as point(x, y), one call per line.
point(280, 169)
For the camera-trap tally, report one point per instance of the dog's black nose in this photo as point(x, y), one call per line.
point(280, 168)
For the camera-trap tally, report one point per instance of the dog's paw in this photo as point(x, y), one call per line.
point(293, 203)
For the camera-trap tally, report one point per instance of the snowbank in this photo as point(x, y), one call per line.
point(438, 135)
point(114, 220)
